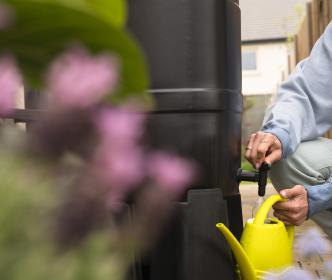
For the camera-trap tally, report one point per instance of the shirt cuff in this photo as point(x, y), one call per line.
point(319, 197)
point(283, 137)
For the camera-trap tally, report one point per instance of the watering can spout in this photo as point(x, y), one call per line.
point(242, 259)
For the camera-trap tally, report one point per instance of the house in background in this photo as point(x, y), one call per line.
point(268, 53)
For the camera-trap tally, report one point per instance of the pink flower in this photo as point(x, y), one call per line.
point(122, 167)
point(6, 16)
point(122, 170)
point(10, 81)
point(119, 161)
point(121, 126)
point(77, 79)
point(170, 172)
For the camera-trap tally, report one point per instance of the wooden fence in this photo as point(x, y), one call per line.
point(318, 16)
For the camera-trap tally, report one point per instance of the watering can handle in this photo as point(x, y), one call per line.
point(265, 208)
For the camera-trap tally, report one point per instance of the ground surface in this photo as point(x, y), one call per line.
point(249, 195)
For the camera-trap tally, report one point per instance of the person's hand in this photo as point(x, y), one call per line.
point(294, 211)
point(263, 147)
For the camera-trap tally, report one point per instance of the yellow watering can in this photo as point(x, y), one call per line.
point(266, 244)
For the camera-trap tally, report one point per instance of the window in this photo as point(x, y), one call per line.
point(249, 61)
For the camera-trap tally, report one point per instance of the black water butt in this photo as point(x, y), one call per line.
point(193, 53)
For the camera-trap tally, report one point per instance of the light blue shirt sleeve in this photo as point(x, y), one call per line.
point(303, 111)
point(303, 107)
point(319, 197)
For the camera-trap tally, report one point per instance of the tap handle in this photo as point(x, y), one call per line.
point(262, 180)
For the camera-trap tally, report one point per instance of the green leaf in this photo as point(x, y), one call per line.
point(113, 11)
point(44, 29)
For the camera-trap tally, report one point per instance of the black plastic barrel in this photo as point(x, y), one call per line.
point(193, 50)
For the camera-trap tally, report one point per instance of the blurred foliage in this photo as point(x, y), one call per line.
point(246, 165)
point(29, 198)
point(31, 195)
point(248, 102)
point(43, 29)
point(112, 11)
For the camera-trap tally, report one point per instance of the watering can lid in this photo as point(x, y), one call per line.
point(265, 208)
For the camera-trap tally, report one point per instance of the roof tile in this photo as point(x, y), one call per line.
point(271, 19)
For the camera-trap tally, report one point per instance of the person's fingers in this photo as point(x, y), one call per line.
point(274, 156)
point(275, 152)
point(282, 217)
point(263, 147)
point(253, 155)
point(249, 146)
point(295, 209)
point(293, 218)
point(291, 206)
point(286, 206)
point(297, 190)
